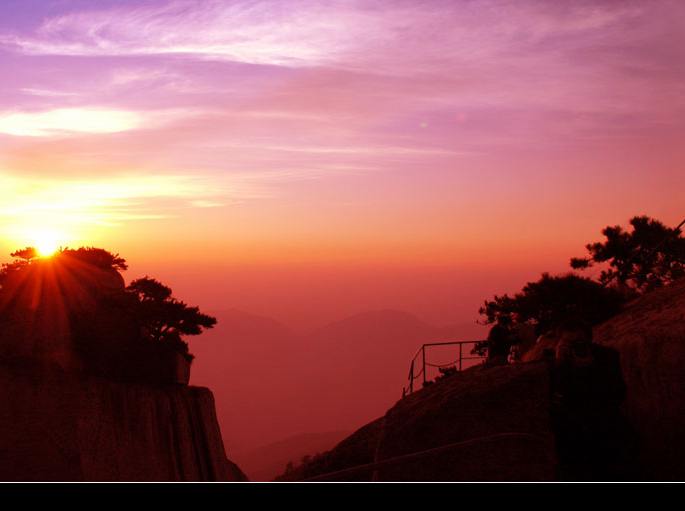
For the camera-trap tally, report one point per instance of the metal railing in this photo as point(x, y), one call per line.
point(417, 456)
point(457, 364)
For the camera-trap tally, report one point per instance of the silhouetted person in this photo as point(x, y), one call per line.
point(500, 341)
point(524, 339)
point(587, 391)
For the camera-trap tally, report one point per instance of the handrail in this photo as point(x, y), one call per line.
point(458, 363)
point(420, 454)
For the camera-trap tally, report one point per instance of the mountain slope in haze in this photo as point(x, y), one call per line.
point(370, 324)
point(266, 462)
point(245, 357)
point(363, 330)
point(244, 324)
point(361, 362)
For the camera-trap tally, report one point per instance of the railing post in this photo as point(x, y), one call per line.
point(459, 366)
point(411, 378)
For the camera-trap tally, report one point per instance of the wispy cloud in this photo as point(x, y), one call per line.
point(352, 150)
point(68, 120)
point(255, 32)
point(488, 53)
point(48, 93)
point(485, 52)
point(312, 33)
point(80, 120)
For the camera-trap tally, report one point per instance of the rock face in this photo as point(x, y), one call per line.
point(650, 337)
point(60, 426)
point(84, 396)
point(496, 420)
point(38, 301)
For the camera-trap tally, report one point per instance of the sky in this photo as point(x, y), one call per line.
point(307, 160)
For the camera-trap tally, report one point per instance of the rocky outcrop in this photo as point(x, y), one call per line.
point(650, 337)
point(85, 395)
point(486, 424)
point(479, 404)
point(61, 426)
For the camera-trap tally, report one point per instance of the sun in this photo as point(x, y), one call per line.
point(46, 243)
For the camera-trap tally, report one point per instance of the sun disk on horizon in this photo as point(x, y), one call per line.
point(46, 244)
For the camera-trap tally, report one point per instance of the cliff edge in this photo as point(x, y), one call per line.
point(650, 338)
point(94, 373)
point(60, 426)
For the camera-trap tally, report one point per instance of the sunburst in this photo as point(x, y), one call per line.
point(46, 243)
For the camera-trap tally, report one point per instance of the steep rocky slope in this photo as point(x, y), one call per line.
point(60, 426)
point(480, 403)
point(498, 418)
point(650, 337)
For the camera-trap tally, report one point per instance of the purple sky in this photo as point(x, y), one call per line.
point(473, 136)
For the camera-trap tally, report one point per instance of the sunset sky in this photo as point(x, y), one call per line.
point(306, 160)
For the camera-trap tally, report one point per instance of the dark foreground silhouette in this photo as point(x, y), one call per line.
point(619, 417)
point(74, 310)
point(593, 439)
point(93, 376)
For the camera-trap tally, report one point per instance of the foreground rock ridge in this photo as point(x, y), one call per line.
point(650, 337)
point(88, 392)
point(513, 439)
point(495, 423)
point(58, 426)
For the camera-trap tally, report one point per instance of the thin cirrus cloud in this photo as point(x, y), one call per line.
point(47, 93)
point(311, 33)
point(68, 120)
point(369, 71)
point(491, 53)
point(83, 120)
point(255, 32)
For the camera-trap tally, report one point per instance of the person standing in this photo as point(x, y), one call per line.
point(500, 340)
point(587, 391)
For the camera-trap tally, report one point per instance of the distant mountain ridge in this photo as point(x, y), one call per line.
point(242, 323)
point(381, 321)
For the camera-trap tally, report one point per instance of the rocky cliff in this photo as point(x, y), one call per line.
point(61, 426)
point(650, 337)
point(427, 435)
point(478, 425)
